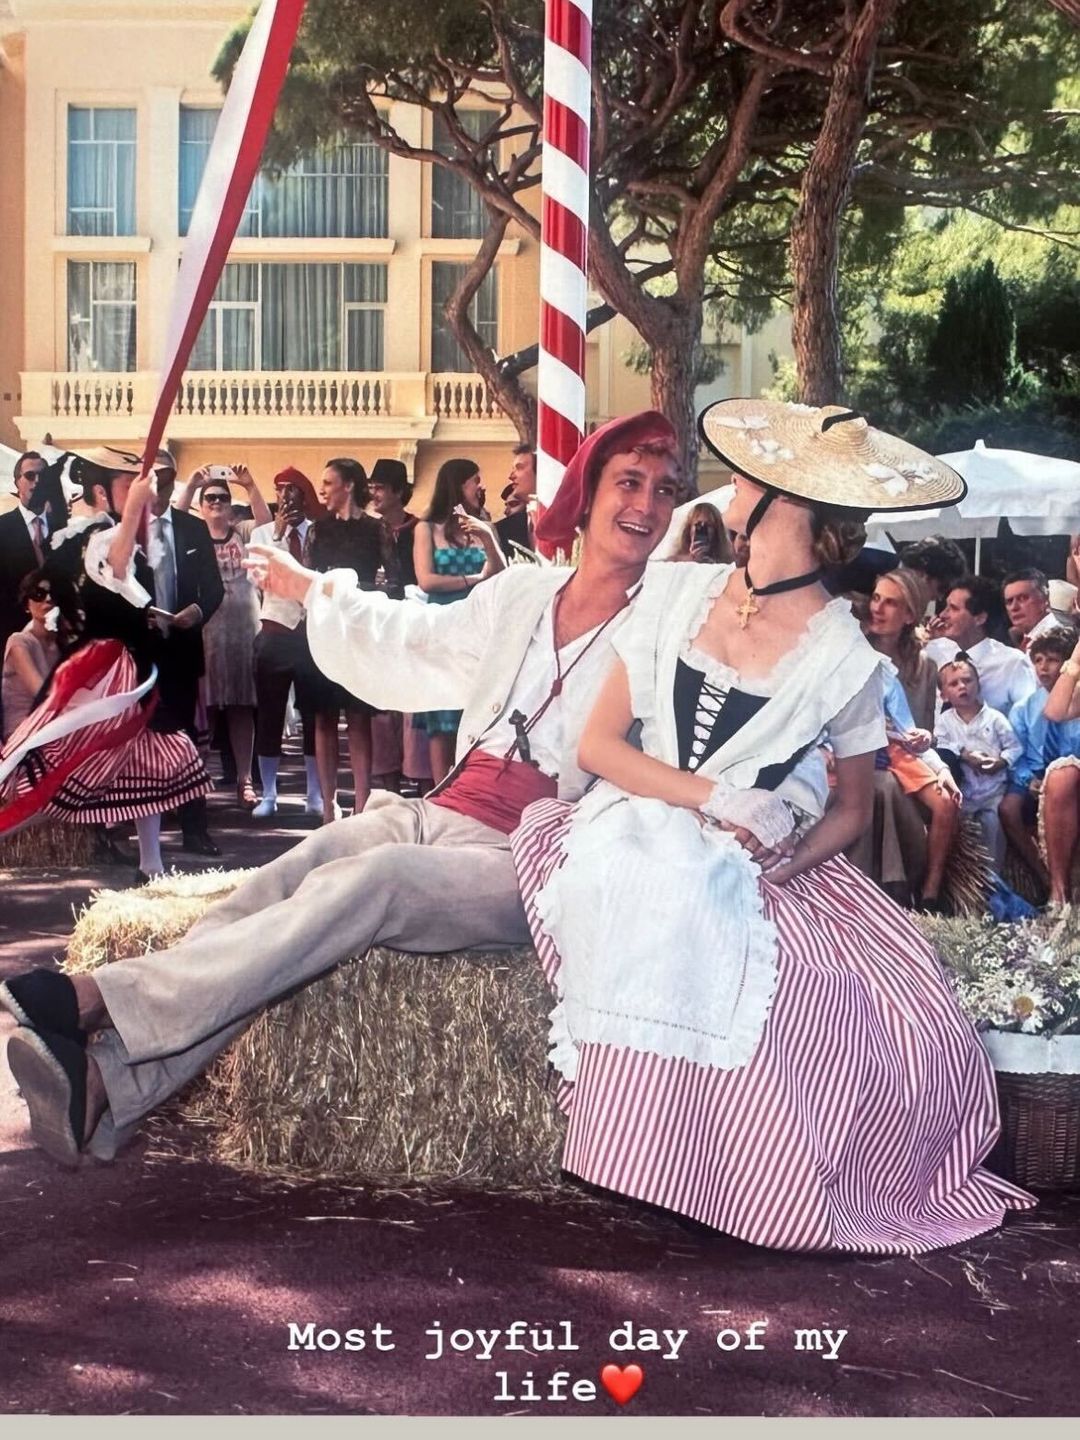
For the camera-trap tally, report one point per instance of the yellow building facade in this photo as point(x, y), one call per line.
point(326, 336)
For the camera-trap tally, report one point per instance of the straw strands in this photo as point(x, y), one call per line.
point(393, 1068)
point(48, 846)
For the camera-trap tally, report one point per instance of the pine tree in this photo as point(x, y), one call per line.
point(971, 358)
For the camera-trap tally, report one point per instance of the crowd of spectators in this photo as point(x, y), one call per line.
point(973, 724)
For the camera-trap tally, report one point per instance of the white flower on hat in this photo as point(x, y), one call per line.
point(892, 482)
point(743, 422)
point(800, 409)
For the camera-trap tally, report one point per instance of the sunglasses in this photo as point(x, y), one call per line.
point(217, 498)
point(40, 592)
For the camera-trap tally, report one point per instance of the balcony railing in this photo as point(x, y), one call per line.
point(461, 397)
point(94, 403)
point(320, 394)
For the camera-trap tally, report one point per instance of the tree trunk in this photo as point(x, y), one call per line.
point(512, 398)
point(674, 380)
point(815, 233)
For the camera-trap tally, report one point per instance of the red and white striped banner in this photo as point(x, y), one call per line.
point(564, 237)
point(231, 168)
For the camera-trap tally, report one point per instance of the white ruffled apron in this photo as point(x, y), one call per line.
point(657, 917)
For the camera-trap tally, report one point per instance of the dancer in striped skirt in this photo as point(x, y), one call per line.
point(749, 1032)
point(96, 750)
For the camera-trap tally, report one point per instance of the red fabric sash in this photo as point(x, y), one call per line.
point(494, 791)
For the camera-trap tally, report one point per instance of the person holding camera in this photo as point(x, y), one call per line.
point(704, 540)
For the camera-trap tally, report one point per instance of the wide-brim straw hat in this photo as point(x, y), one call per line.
point(828, 455)
point(108, 457)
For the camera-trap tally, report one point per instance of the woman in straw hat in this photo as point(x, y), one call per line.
point(92, 752)
point(754, 1035)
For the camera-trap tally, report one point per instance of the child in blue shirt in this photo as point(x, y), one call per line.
point(1041, 742)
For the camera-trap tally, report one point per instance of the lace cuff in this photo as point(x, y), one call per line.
point(100, 571)
point(762, 812)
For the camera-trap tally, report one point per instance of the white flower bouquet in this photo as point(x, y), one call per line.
point(1019, 985)
point(1016, 978)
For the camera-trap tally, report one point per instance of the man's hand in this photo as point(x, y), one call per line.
point(187, 619)
point(275, 572)
point(752, 845)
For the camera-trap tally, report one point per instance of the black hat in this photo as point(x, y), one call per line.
point(390, 472)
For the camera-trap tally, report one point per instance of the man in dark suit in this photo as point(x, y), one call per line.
point(188, 586)
point(24, 543)
point(515, 528)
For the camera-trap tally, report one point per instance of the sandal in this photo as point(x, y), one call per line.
point(246, 795)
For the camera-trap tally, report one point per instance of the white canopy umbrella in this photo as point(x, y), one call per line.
point(1037, 494)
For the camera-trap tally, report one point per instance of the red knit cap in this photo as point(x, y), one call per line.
point(563, 518)
point(313, 509)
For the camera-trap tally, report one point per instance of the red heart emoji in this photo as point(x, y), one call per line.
point(622, 1382)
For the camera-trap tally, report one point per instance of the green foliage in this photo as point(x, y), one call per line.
point(971, 354)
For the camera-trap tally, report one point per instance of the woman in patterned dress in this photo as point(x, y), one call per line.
point(750, 1033)
point(453, 550)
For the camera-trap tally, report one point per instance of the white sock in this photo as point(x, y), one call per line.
point(148, 829)
point(268, 768)
point(314, 789)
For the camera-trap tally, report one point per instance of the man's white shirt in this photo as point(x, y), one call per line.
point(282, 612)
point(1006, 676)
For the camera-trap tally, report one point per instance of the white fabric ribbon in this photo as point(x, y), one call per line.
point(78, 715)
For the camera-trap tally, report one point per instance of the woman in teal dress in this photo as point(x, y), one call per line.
point(454, 549)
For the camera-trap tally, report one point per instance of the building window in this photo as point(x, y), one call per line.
point(101, 315)
point(337, 192)
point(446, 353)
point(294, 317)
point(101, 171)
point(457, 210)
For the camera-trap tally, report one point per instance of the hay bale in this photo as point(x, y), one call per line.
point(397, 1068)
point(117, 924)
point(49, 846)
point(393, 1068)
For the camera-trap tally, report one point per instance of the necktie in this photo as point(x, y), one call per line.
point(38, 539)
point(296, 550)
point(165, 571)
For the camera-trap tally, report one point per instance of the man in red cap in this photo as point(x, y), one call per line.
point(523, 657)
point(282, 656)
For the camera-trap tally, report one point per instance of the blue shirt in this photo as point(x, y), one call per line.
point(1042, 739)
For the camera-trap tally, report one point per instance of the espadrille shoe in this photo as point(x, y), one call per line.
point(50, 1072)
point(44, 1000)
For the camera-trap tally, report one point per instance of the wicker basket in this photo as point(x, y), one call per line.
point(1039, 1146)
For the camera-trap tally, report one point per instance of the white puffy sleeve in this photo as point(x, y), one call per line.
point(399, 654)
point(859, 727)
point(96, 560)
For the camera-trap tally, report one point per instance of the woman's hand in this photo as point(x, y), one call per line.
point(947, 786)
point(243, 477)
point(918, 741)
point(475, 529)
point(275, 572)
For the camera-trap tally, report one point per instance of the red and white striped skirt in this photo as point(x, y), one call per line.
point(85, 755)
point(861, 1120)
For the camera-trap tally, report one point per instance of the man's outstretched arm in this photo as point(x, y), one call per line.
point(395, 654)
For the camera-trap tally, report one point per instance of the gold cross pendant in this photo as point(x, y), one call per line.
point(746, 609)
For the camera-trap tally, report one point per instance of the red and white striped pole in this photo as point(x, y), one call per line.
point(564, 237)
